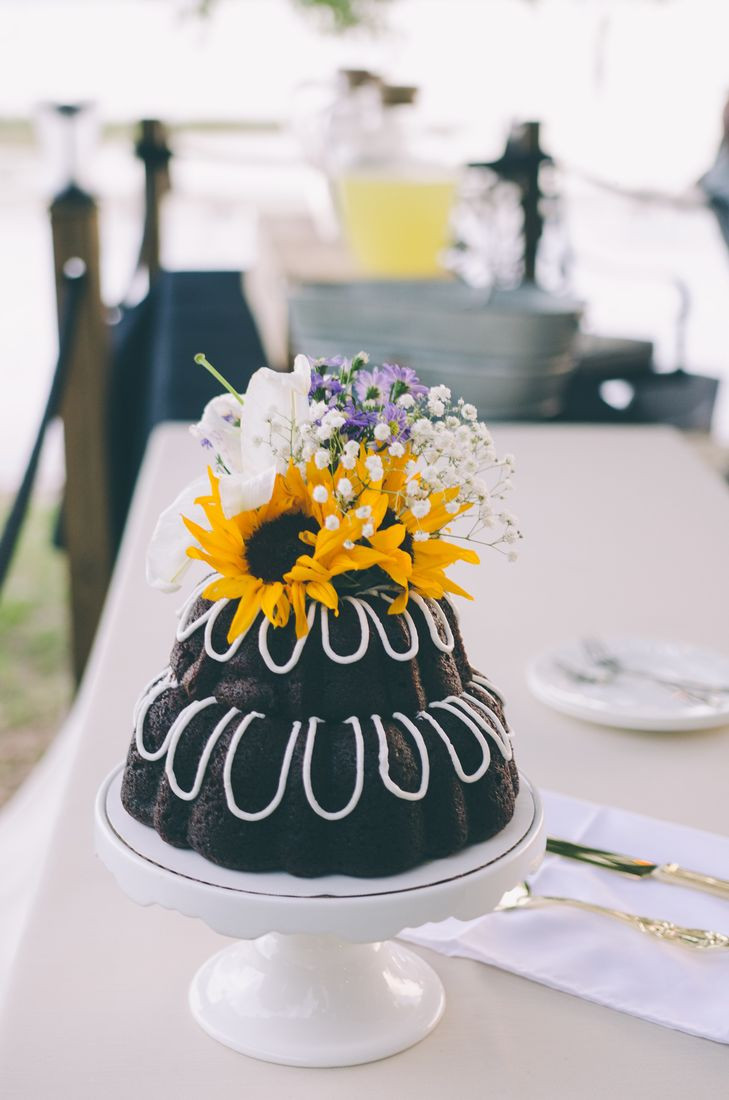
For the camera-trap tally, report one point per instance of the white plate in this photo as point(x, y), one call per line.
point(634, 701)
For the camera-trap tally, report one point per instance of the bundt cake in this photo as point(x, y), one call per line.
point(319, 714)
point(364, 748)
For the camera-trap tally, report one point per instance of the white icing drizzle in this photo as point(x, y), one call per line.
point(234, 808)
point(486, 758)
point(359, 770)
point(164, 675)
point(494, 727)
point(210, 626)
point(361, 649)
point(384, 758)
point(465, 707)
point(444, 646)
point(173, 733)
point(482, 681)
point(300, 643)
point(412, 649)
point(186, 627)
point(203, 763)
point(364, 611)
point(152, 691)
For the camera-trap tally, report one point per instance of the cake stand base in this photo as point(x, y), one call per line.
point(316, 1000)
point(314, 979)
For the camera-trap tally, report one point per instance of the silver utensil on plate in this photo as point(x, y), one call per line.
point(599, 675)
point(700, 939)
point(670, 873)
point(611, 665)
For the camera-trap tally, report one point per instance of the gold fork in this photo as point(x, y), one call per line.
point(521, 897)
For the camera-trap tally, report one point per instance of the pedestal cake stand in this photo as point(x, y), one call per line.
point(315, 980)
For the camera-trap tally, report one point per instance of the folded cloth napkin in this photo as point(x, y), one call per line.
point(597, 957)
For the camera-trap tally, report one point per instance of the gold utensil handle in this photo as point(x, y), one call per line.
point(697, 938)
point(679, 876)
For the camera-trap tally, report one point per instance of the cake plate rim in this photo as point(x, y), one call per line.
point(363, 917)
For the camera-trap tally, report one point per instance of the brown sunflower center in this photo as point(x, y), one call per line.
point(273, 549)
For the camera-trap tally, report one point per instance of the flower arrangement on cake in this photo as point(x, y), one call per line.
point(337, 478)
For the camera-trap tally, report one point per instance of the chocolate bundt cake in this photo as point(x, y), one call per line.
point(364, 748)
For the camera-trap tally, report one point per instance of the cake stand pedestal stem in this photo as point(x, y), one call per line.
point(316, 1000)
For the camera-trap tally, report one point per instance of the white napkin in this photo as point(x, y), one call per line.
point(597, 957)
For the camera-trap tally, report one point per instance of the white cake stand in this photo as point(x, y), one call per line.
point(312, 983)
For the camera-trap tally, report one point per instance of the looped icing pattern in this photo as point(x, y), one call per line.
point(432, 613)
point(476, 715)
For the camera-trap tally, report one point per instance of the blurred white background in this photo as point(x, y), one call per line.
point(630, 93)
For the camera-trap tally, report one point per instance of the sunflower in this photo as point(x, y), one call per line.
point(258, 553)
point(432, 555)
point(408, 559)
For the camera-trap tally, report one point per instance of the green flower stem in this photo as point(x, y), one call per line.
point(202, 361)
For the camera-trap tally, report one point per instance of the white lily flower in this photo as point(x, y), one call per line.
point(167, 560)
point(245, 437)
point(274, 404)
point(218, 430)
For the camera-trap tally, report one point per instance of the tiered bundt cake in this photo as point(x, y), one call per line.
point(364, 748)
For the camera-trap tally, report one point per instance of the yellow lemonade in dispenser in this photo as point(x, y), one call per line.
point(397, 225)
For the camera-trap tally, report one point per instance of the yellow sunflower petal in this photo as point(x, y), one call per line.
point(399, 566)
point(399, 603)
point(325, 593)
point(306, 569)
point(389, 539)
point(247, 610)
point(359, 557)
point(451, 586)
point(440, 552)
point(275, 604)
point(298, 601)
point(229, 588)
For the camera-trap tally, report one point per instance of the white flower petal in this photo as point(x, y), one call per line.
point(274, 403)
point(302, 374)
point(218, 430)
point(167, 559)
point(240, 494)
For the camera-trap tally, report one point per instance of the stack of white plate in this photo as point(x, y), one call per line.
point(510, 352)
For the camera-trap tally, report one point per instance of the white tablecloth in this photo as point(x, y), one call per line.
point(627, 533)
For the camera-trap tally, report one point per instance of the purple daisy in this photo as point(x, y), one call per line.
point(404, 379)
point(396, 419)
point(360, 422)
point(324, 387)
point(372, 385)
point(335, 361)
